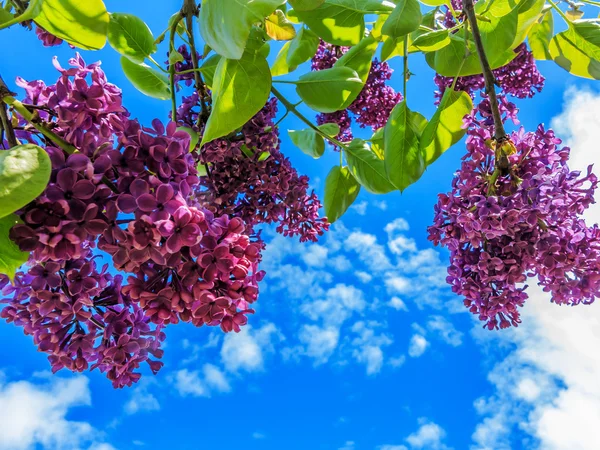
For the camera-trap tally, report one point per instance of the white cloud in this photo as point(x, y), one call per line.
point(397, 284)
point(141, 399)
point(429, 436)
point(35, 415)
point(360, 208)
point(397, 304)
point(363, 276)
point(445, 330)
point(200, 384)
point(368, 346)
point(315, 255)
point(340, 302)
point(392, 447)
point(246, 350)
point(319, 342)
point(418, 345)
point(382, 205)
point(349, 445)
point(368, 250)
point(340, 263)
point(397, 361)
point(258, 435)
point(398, 224)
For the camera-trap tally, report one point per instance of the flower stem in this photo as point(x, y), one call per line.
point(292, 108)
point(7, 127)
point(173, 32)
point(189, 11)
point(405, 64)
point(488, 76)
point(560, 12)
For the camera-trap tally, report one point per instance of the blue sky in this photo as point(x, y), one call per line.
point(357, 342)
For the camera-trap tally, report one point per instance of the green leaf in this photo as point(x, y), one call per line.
point(278, 27)
point(312, 143)
point(24, 174)
point(280, 65)
point(404, 19)
point(392, 47)
point(445, 127)
point(404, 161)
point(225, 24)
point(130, 36)
point(341, 189)
point(577, 49)
point(540, 35)
point(341, 22)
point(329, 90)
point(305, 5)
point(11, 258)
point(83, 24)
point(146, 80)
point(5, 17)
point(434, 2)
point(367, 168)
point(302, 47)
point(31, 12)
point(432, 41)
point(377, 143)
point(194, 137)
point(209, 68)
point(360, 57)
point(263, 156)
point(308, 141)
point(240, 89)
point(528, 12)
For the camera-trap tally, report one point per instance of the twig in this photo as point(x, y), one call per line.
point(292, 108)
point(173, 31)
point(488, 76)
point(189, 11)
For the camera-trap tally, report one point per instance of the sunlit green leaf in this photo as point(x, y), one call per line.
point(130, 36)
point(194, 137)
point(367, 168)
point(24, 175)
point(83, 24)
point(341, 189)
point(305, 5)
point(240, 89)
point(577, 49)
point(404, 160)
point(360, 57)
point(446, 126)
point(208, 69)
point(432, 41)
point(404, 19)
point(308, 141)
point(329, 90)
point(377, 143)
point(278, 27)
point(225, 24)
point(540, 36)
point(11, 258)
point(145, 79)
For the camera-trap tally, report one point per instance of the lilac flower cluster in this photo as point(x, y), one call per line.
point(519, 78)
point(249, 177)
point(48, 39)
point(528, 224)
point(129, 191)
point(373, 105)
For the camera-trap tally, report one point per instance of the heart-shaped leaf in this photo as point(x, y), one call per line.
point(341, 189)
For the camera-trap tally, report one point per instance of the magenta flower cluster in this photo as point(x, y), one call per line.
point(519, 78)
point(373, 105)
point(528, 225)
point(135, 193)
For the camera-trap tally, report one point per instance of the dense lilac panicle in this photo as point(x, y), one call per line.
point(131, 192)
point(249, 177)
point(519, 78)
point(528, 225)
point(79, 317)
point(373, 105)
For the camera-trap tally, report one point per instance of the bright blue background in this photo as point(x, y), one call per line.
point(292, 403)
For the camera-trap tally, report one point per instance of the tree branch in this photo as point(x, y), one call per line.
point(488, 76)
point(189, 11)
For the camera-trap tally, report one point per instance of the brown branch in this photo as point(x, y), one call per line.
point(490, 81)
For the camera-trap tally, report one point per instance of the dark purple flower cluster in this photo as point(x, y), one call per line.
point(131, 192)
point(249, 177)
point(519, 78)
point(48, 39)
point(527, 223)
point(373, 105)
